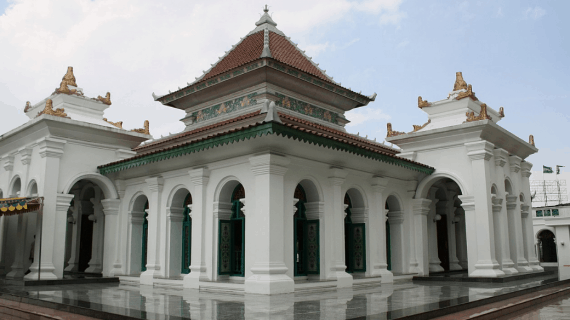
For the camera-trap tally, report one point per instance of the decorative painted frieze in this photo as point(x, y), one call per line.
point(253, 66)
point(224, 108)
point(306, 109)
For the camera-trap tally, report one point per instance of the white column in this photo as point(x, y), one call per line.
point(96, 262)
point(269, 272)
point(17, 271)
point(337, 177)
point(378, 228)
point(480, 220)
point(501, 231)
point(500, 219)
point(434, 262)
point(75, 226)
point(54, 218)
point(421, 210)
point(453, 261)
point(530, 251)
point(155, 185)
point(136, 221)
point(174, 218)
point(461, 241)
point(111, 236)
point(198, 269)
point(515, 222)
point(396, 220)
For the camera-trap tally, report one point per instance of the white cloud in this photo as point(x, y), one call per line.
point(359, 117)
point(403, 44)
point(135, 47)
point(534, 13)
point(500, 12)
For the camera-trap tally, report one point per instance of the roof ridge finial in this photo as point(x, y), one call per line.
point(266, 9)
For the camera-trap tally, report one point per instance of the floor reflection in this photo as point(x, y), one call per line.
point(388, 301)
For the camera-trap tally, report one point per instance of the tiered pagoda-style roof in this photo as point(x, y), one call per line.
point(218, 116)
point(265, 46)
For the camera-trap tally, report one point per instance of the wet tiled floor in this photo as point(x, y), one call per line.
point(558, 309)
point(388, 301)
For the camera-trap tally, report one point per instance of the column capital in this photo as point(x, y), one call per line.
point(500, 157)
point(175, 214)
point(8, 162)
point(497, 203)
point(525, 167)
point(111, 206)
point(51, 147)
point(25, 155)
point(515, 163)
point(337, 176)
point(524, 209)
point(199, 176)
point(269, 163)
point(379, 184)
point(511, 201)
point(467, 202)
point(137, 217)
point(421, 206)
point(155, 184)
point(395, 217)
point(62, 201)
point(480, 150)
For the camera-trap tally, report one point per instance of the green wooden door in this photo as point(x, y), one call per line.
point(358, 235)
point(388, 246)
point(144, 242)
point(312, 248)
point(186, 241)
point(225, 247)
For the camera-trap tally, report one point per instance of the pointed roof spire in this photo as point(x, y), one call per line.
point(266, 18)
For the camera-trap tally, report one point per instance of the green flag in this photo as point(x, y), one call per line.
point(546, 169)
point(558, 169)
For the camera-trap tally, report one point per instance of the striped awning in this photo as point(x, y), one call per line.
point(12, 206)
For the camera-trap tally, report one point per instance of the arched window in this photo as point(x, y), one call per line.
point(232, 238)
point(187, 236)
point(354, 241)
point(145, 238)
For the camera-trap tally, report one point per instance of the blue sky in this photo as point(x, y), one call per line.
point(514, 53)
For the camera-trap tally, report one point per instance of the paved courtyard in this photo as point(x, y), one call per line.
point(382, 302)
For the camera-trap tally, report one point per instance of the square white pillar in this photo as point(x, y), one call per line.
point(269, 213)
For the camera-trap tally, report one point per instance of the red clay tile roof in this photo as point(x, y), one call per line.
point(245, 52)
point(181, 136)
point(250, 49)
point(283, 51)
point(252, 120)
point(335, 134)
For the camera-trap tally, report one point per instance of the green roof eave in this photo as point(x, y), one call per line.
point(258, 131)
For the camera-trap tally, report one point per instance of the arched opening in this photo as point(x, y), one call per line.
point(306, 236)
point(85, 229)
point(547, 246)
point(354, 232)
point(138, 234)
point(447, 238)
point(15, 190)
point(231, 250)
point(394, 234)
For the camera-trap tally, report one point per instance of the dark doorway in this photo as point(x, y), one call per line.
point(547, 246)
point(85, 243)
point(442, 242)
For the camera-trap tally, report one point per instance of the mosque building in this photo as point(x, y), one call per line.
point(264, 188)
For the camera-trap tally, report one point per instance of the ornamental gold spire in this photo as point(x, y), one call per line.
point(459, 82)
point(67, 80)
point(482, 115)
point(145, 130)
point(392, 133)
point(106, 100)
point(422, 103)
point(531, 140)
point(59, 112)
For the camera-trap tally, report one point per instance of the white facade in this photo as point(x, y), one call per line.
point(551, 226)
point(362, 212)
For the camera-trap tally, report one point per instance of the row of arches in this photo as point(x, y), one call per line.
point(232, 233)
